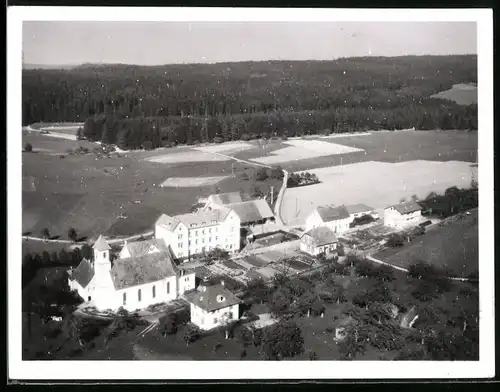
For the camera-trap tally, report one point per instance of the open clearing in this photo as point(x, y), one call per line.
point(462, 94)
point(226, 148)
point(187, 156)
point(305, 149)
point(191, 182)
point(454, 246)
point(377, 184)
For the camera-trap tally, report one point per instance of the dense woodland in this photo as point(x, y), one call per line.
point(177, 104)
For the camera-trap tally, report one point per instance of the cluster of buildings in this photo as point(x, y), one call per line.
point(324, 223)
point(151, 272)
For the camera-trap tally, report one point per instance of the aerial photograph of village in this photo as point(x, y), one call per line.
point(250, 191)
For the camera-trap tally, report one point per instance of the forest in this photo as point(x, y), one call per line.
point(166, 105)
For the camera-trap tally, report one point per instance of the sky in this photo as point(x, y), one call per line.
point(156, 43)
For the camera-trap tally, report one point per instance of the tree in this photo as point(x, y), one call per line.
point(282, 340)
point(63, 257)
point(28, 147)
point(395, 241)
point(170, 322)
point(261, 174)
point(87, 252)
point(72, 235)
point(79, 134)
point(45, 233)
point(191, 333)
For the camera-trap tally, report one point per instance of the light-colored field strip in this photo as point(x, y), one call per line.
point(191, 156)
point(226, 148)
point(188, 182)
point(335, 136)
point(305, 149)
point(376, 184)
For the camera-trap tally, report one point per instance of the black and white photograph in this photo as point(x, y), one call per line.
point(295, 188)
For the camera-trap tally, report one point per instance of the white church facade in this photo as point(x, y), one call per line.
point(139, 278)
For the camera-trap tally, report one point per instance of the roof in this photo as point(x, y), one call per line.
point(167, 222)
point(134, 271)
point(82, 274)
point(252, 211)
point(141, 248)
point(208, 299)
point(357, 208)
point(101, 244)
point(226, 198)
point(322, 235)
point(407, 207)
point(198, 219)
point(329, 213)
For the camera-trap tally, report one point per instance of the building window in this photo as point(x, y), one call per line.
point(154, 291)
point(179, 236)
point(210, 230)
point(139, 295)
point(196, 232)
point(203, 240)
point(168, 287)
point(203, 231)
point(209, 239)
point(215, 320)
point(189, 243)
point(216, 238)
point(230, 315)
point(179, 244)
point(124, 298)
point(104, 254)
point(227, 246)
point(196, 242)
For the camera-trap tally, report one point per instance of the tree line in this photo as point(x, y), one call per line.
point(189, 104)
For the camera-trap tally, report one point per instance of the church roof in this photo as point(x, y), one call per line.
point(82, 274)
point(213, 298)
point(101, 244)
point(134, 271)
point(141, 248)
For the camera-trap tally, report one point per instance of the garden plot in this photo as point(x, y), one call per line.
point(377, 184)
point(190, 182)
point(305, 149)
point(226, 148)
point(255, 261)
point(188, 156)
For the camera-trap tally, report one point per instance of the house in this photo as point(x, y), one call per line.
point(342, 326)
point(251, 212)
point(319, 240)
point(131, 282)
point(403, 214)
point(190, 234)
point(336, 218)
point(358, 210)
point(213, 306)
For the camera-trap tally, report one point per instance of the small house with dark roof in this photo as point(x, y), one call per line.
point(213, 306)
point(403, 215)
point(320, 240)
point(135, 282)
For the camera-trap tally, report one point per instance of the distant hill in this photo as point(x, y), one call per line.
point(48, 66)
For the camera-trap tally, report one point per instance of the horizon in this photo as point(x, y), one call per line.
point(52, 44)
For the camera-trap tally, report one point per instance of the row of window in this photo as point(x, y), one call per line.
point(139, 293)
point(216, 320)
point(206, 248)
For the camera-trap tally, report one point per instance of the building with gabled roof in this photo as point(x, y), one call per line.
point(320, 240)
point(141, 248)
point(133, 282)
point(222, 199)
point(403, 215)
point(212, 306)
point(187, 235)
point(338, 218)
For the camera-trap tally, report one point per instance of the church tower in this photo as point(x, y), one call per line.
point(102, 274)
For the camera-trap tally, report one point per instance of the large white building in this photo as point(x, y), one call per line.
point(213, 306)
point(132, 282)
point(403, 215)
point(337, 218)
point(191, 234)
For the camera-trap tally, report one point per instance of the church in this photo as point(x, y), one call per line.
point(144, 274)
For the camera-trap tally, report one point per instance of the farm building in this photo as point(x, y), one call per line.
point(212, 306)
point(251, 212)
point(191, 234)
point(336, 218)
point(319, 240)
point(403, 215)
point(131, 282)
point(358, 210)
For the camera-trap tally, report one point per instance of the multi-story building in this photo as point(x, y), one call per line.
point(191, 234)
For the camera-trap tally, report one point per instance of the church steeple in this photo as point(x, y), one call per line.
point(101, 251)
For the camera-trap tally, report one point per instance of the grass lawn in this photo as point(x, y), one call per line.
point(297, 265)
point(232, 265)
point(255, 261)
point(32, 247)
point(454, 246)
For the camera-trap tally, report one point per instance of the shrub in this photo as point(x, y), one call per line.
point(147, 145)
point(191, 333)
point(28, 147)
point(218, 140)
point(282, 340)
point(170, 323)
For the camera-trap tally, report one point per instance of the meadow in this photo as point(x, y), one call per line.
point(462, 94)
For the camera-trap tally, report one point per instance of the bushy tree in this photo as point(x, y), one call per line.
point(28, 147)
point(191, 333)
point(72, 234)
point(282, 340)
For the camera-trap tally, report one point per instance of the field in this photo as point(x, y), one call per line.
point(454, 246)
point(190, 182)
point(226, 148)
point(187, 156)
point(376, 184)
point(117, 196)
point(462, 94)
